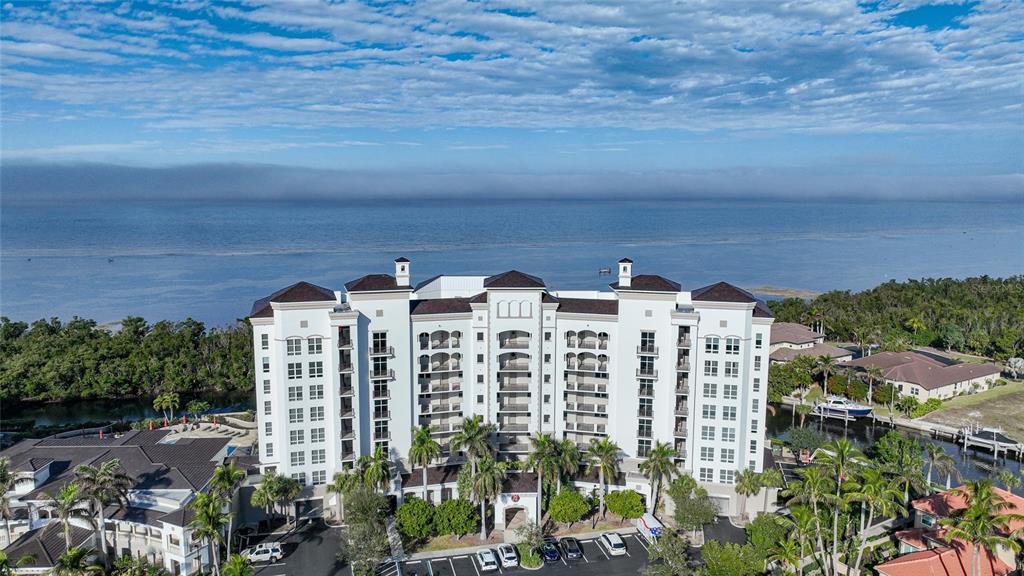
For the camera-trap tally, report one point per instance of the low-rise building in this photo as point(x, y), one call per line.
point(791, 341)
point(154, 525)
point(927, 376)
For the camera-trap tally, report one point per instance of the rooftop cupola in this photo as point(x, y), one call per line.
point(402, 271)
point(625, 272)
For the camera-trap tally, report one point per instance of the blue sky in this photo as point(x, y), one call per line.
point(826, 95)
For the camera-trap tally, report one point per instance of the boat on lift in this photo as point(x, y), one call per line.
point(839, 406)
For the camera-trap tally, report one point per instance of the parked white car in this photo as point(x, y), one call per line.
point(508, 555)
point(487, 560)
point(265, 552)
point(613, 543)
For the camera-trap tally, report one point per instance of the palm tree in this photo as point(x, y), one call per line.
point(74, 562)
point(487, 483)
point(568, 460)
point(813, 487)
point(770, 478)
point(104, 485)
point(877, 494)
point(227, 478)
point(936, 458)
point(788, 552)
point(603, 454)
point(748, 483)
point(197, 407)
point(376, 469)
point(543, 458)
point(287, 490)
point(71, 502)
point(803, 410)
point(984, 524)
point(136, 566)
point(341, 484)
point(843, 459)
point(1008, 479)
point(237, 566)
point(6, 484)
point(474, 438)
point(872, 374)
point(803, 527)
point(263, 496)
point(167, 402)
point(7, 568)
point(825, 366)
point(208, 522)
point(423, 450)
point(659, 467)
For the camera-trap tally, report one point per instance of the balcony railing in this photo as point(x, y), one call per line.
point(439, 408)
point(345, 390)
point(346, 412)
point(454, 386)
point(683, 342)
point(388, 351)
point(682, 388)
point(506, 387)
point(347, 433)
point(585, 427)
point(381, 434)
point(344, 342)
point(513, 407)
point(586, 387)
point(514, 343)
point(646, 373)
point(682, 411)
point(680, 433)
point(647, 350)
point(381, 374)
point(514, 366)
point(381, 414)
point(345, 366)
point(446, 343)
point(683, 366)
point(586, 407)
point(348, 456)
point(587, 366)
point(450, 366)
point(513, 427)
point(381, 393)
point(647, 391)
point(517, 448)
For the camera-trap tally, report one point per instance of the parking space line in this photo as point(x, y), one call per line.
point(461, 557)
point(473, 562)
point(601, 548)
point(414, 562)
point(562, 558)
point(452, 564)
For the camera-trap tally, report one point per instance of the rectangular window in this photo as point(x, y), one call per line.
point(268, 450)
point(643, 448)
point(547, 336)
point(479, 398)
point(294, 370)
point(479, 358)
point(758, 340)
point(296, 437)
point(293, 346)
point(732, 345)
point(479, 336)
point(316, 414)
point(644, 429)
point(647, 342)
point(730, 391)
point(647, 365)
point(547, 378)
point(707, 454)
point(710, 368)
point(753, 446)
point(729, 413)
point(316, 369)
point(265, 341)
point(268, 428)
point(728, 434)
point(757, 384)
point(707, 475)
point(319, 477)
point(380, 342)
point(266, 387)
point(479, 378)
point(707, 432)
point(294, 393)
point(547, 358)
point(301, 477)
point(755, 406)
point(757, 362)
point(315, 345)
point(728, 456)
point(316, 392)
point(298, 458)
point(753, 426)
point(710, 390)
point(318, 456)
point(708, 411)
point(316, 435)
point(266, 364)
point(726, 476)
point(711, 345)
point(266, 407)
point(547, 398)
point(732, 369)
point(295, 415)
point(647, 407)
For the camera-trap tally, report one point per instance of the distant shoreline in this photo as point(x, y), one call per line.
point(785, 292)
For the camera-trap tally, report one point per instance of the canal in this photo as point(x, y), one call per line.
point(107, 410)
point(973, 464)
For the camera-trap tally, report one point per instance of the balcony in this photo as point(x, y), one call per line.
point(682, 387)
point(441, 387)
point(345, 390)
point(382, 374)
point(680, 432)
point(585, 427)
point(347, 433)
point(644, 412)
point(682, 410)
point(646, 373)
point(683, 342)
point(346, 412)
point(519, 343)
point(444, 344)
point(515, 448)
point(587, 366)
point(387, 351)
point(381, 393)
point(680, 448)
point(683, 366)
point(348, 456)
point(586, 408)
point(522, 365)
point(513, 427)
point(510, 407)
point(345, 366)
point(440, 408)
point(344, 343)
point(586, 387)
point(647, 350)
point(447, 366)
point(513, 387)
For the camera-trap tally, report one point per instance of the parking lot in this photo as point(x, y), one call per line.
point(309, 551)
point(595, 562)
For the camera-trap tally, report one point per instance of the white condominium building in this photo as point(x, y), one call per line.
point(340, 373)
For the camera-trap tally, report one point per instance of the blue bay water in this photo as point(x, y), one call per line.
point(211, 260)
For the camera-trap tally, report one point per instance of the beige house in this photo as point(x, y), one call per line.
point(925, 376)
point(790, 340)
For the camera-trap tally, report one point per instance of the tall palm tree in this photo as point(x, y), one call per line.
point(487, 483)
point(423, 450)
point(227, 478)
point(603, 454)
point(872, 374)
point(474, 438)
point(543, 460)
point(74, 562)
point(1008, 479)
point(208, 522)
point(842, 459)
point(341, 484)
point(788, 553)
point(286, 491)
point(659, 467)
point(984, 524)
point(748, 483)
point(237, 566)
point(104, 485)
point(825, 366)
point(376, 469)
point(879, 494)
point(770, 478)
point(803, 526)
point(568, 460)
point(6, 484)
point(167, 403)
point(936, 458)
point(70, 503)
point(263, 496)
point(813, 487)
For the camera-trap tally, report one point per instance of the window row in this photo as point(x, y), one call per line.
point(316, 370)
point(295, 415)
point(293, 346)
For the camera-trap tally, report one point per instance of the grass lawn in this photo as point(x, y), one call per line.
point(448, 542)
point(1001, 407)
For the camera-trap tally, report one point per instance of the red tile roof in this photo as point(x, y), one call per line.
point(948, 502)
point(951, 560)
point(793, 333)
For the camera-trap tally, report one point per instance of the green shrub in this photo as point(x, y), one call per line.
point(415, 518)
point(625, 504)
point(569, 506)
point(458, 517)
point(528, 557)
point(930, 406)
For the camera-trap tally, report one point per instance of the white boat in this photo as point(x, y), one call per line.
point(842, 406)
